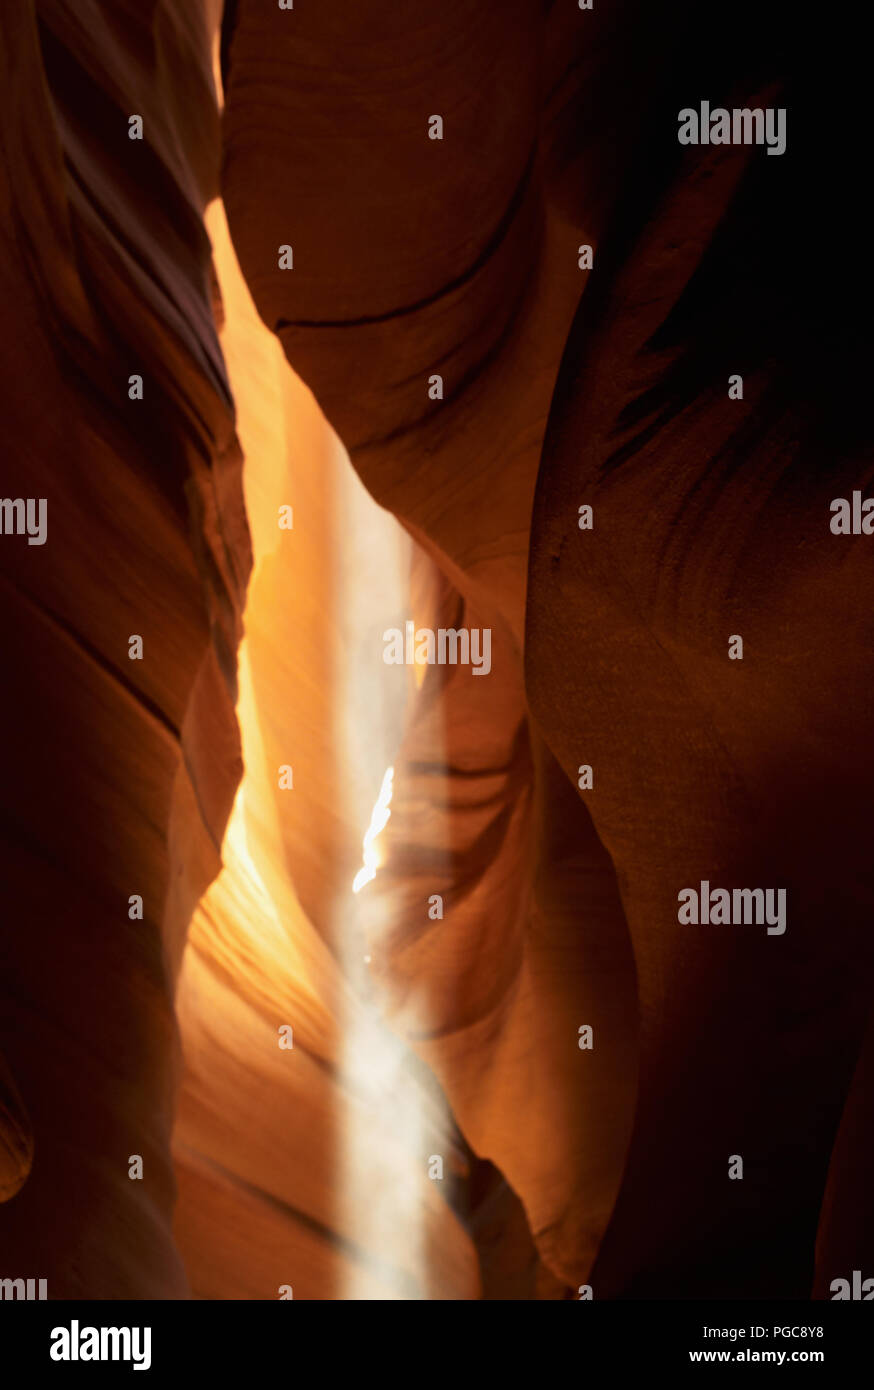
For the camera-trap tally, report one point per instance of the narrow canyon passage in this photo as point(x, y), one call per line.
point(303, 1155)
point(437, 546)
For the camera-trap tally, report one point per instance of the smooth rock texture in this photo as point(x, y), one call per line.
point(321, 1147)
point(377, 1091)
point(105, 274)
point(493, 995)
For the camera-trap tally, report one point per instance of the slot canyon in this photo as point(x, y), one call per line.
point(328, 976)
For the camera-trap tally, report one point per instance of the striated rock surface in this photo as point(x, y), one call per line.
point(462, 259)
point(119, 773)
point(319, 1139)
point(712, 520)
point(380, 904)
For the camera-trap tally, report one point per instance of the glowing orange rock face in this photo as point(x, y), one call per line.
point(443, 1034)
point(146, 535)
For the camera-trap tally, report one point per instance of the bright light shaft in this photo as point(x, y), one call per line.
point(378, 821)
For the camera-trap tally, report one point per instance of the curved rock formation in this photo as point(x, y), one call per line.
point(431, 283)
point(319, 1146)
point(120, 772)
point(493, 995)
point(713, 519)
point(626, 658)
